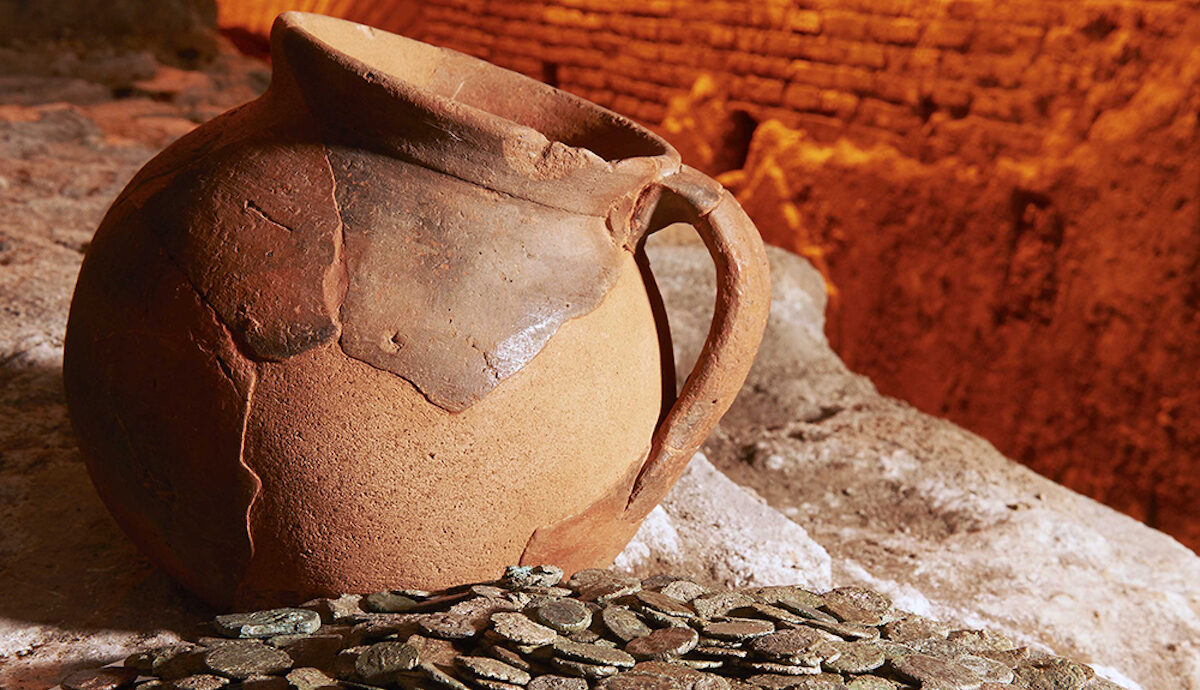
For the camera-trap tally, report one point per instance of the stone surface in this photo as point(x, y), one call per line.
point(859, 488)
point(922, 510)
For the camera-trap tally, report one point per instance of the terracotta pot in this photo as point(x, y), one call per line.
point(389, 325)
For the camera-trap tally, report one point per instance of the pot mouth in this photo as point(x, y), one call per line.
point(457, 87)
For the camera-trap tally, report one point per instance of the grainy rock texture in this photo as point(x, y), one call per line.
point(178, 31)
point(1010, 189)
point(703, 529)
point(898, 500)
point(929, 513)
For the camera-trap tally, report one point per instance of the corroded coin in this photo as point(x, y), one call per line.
point(441, 678)
point(665, 604)
point(508, 656)
point(592, 654)
point(201, 681)
point(251, 683)
point(110, 678)
point(388, 602)
point(518, 628)
point(739, 629)
point(683, 590)
point(623, 623)
point(159, 662)
point(780, 669)
point(871, 683)
point(768, 612)
point(990, 670)
point(710, 606)
point(448, 626)
point(380, 663)
point(582, 669)
point(564, 615)
point(492, 669)
point(975, 641)
point(607, 590)
point(550, 681)
point(849, 631)
point(1055, 674)
point(663, 644)
point(309, 678)
point(715, 652)
point(821, 681)
point(639, 681)
point(935, 673)
point(703, 664)
point(855, 657)
point(859, 605)
point(660, 619)
point(267, 623)
point(488, 684)
point(912, 627)
point(797, 646)
point(245, 660)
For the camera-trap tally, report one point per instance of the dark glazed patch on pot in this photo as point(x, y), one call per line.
point(255, 229)
point(455, 287)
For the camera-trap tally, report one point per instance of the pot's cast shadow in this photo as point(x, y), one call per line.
point(73, 589)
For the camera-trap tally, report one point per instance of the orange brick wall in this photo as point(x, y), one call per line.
point(876, 69)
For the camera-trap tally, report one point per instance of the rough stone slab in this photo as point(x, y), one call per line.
point(929, 513)
point(703, 530)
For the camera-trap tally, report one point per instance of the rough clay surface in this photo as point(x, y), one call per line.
point(899, 500)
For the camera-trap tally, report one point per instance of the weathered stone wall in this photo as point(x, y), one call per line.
point(1002, 193)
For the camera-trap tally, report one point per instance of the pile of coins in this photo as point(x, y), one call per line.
point(597, 631)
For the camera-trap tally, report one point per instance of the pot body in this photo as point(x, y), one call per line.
point(388, 326)
point(301, 364)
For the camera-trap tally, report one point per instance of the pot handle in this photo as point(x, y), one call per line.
point(739, 318)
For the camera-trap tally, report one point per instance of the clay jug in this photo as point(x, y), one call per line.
point(390, 325)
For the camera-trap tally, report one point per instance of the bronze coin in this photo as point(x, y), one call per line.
point(665, 604)
point(564, 615)
point(664, 644)
point(739, 629)
point(797, 646)
point(591, 653)
point(518, 628)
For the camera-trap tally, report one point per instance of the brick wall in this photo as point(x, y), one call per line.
point(872, 69)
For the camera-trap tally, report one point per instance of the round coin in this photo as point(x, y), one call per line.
point(592, 653)
point(665, 604)
point(245, 660)
point(492, 669)
point(564, 615)
point(739, 629)
point(683, 590)
point(518, 628)
point(859, 605)
point(380, 663)
point(100, 679)
point(584, 670)
point(624, 623)
point(796, 646)
point(550, 681)
point(664, 644)
point(855, 657)
point(639, 681)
